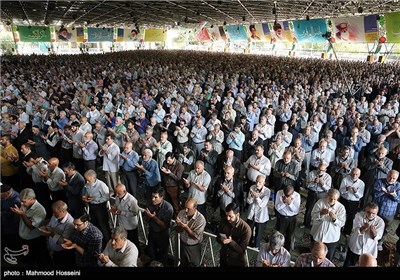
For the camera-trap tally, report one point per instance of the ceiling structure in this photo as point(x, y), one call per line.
point(166, 14)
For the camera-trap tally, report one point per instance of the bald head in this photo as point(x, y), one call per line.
point(120, 190)
point(367, 260)
point(53, 163)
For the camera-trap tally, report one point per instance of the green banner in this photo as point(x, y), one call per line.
point(34, 33)
point(393, 27)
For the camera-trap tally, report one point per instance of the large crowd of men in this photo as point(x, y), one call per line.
point(86, 138)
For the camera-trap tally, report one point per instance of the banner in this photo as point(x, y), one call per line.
point(80, 35)
point(34, 33)
point(236, 32)
point(215, 33)
point(120, 35)
point(355, 29)
point(259, 32)
point(310, 30)
point(65, 34)
point(131, 35)
point(393, 27)
point(280, 32)
point(202, 35)
point(100, 34)
point(155, 35)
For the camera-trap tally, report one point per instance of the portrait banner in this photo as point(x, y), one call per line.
point(65, 34)
point(355, 29)
point(257, 33)
point(280, 32)
point(132, 35)
point(34, 33)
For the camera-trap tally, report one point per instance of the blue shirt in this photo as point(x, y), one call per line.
point(10, 221)
point(387, 202)
point(152, 173)
point(129, 163)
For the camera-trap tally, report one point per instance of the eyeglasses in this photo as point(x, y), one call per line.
point(78, 225)
point(323, 170)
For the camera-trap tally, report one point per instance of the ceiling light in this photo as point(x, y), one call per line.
point(360, 9)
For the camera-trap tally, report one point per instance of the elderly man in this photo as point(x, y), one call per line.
point(318, 183)
point(198, 182)
point(190, 223)
point(126, 208)
point(89, 150)
point(387, 196)
point(128, 160)
point(111, 154)
point(52, 177)
point(32, 215)
point(96, 194)
point(59, 227)
point(367, 230)
point(120, 251)
point(317, 257)
point(150, 171)
point(328, 216)
point(273, 254)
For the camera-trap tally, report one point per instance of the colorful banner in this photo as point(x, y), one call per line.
point(155, 35)
point(120, 35)
point(267, 32)
point(280, 32)
point(80, 35)
point(65, 34)
point(259, 32)
point(132, 35)
point(355, 29)
point(202, 35)
point(34, 33)
point(215, 33)
point(100, 34)
point(236, 32)
point(393, 27)
point(310, 30)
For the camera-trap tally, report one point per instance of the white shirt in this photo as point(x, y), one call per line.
point(287, 210)
point(129, 210)
point(324, 228)
point(111, 159)
point(361, 243)
point(351, 195)
point(258, 207)
point(263, 162)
